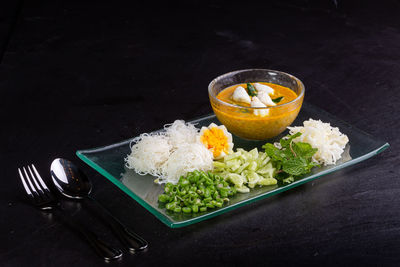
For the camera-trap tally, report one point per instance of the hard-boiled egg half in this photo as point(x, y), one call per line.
point(217, 139)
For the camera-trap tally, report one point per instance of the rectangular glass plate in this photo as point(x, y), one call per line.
point(109, 161)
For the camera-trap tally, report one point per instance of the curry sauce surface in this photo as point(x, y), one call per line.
point(288, 95)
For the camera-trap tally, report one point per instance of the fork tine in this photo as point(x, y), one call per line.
point(46, 194)
point(34, 180)
point(39, 178)
point(29, 182)
point(24, 183)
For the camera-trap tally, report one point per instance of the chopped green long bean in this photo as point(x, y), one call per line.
point(196, 192)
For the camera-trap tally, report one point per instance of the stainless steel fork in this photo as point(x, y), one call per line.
point(42, 198)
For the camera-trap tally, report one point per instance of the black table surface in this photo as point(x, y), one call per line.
point(80, 74)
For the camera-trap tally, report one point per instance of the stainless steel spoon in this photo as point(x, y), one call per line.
point(73, 183)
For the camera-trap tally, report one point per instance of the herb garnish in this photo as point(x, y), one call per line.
point(251, 90)
point(277, 100)
point(293, 159)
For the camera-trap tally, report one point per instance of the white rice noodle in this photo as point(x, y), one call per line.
point(149, 152)
point(180, 133)
point(329, 140)
point(170, 154)
point(186, 158)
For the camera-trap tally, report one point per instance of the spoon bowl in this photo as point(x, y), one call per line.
point(69, 179)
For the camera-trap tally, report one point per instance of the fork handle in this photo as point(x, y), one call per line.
point(130, 239)
point(106, 251)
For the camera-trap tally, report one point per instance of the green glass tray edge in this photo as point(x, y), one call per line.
point(123, 188)
point(212, 214)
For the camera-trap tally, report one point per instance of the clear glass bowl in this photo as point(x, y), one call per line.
point(242, 121)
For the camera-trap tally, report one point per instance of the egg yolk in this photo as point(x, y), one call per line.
point(215, 138)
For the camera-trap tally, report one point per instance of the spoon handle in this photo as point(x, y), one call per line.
point(106, 251)
point(130, 239)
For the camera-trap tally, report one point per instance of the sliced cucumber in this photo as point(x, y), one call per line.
point(246, 169)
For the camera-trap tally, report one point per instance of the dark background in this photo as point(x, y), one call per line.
point(82, 74)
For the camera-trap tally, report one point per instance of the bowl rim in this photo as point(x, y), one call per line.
point(302, 88)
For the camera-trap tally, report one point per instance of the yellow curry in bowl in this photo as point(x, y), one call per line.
point(282, 92)
point(257, 122)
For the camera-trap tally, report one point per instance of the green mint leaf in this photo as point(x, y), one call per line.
point(295, 166)
point(277, 100)
point(293, 159)
point(304, 150)
point(274, 152)
point(251, 90)
point(313, 164)
point(285, 141)
point(288, 180)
